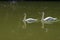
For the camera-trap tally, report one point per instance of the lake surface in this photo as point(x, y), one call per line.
point(12, 14)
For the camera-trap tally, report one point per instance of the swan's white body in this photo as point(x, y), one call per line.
point(49, 20)
point(30, 20)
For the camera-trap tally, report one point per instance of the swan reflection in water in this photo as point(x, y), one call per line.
point(28, 20)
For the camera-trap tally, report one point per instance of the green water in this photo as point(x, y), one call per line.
point(11, 25)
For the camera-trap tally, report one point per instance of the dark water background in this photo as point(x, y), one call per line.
point(11, 16)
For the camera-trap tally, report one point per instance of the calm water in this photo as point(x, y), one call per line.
point(11, 25)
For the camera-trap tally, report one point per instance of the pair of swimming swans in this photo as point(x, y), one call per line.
point(47, 20)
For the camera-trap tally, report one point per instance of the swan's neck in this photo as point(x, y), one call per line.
point(24, 16)
point(42, 16)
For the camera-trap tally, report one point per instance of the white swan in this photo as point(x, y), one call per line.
point(47, 20)
point(29, 20)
